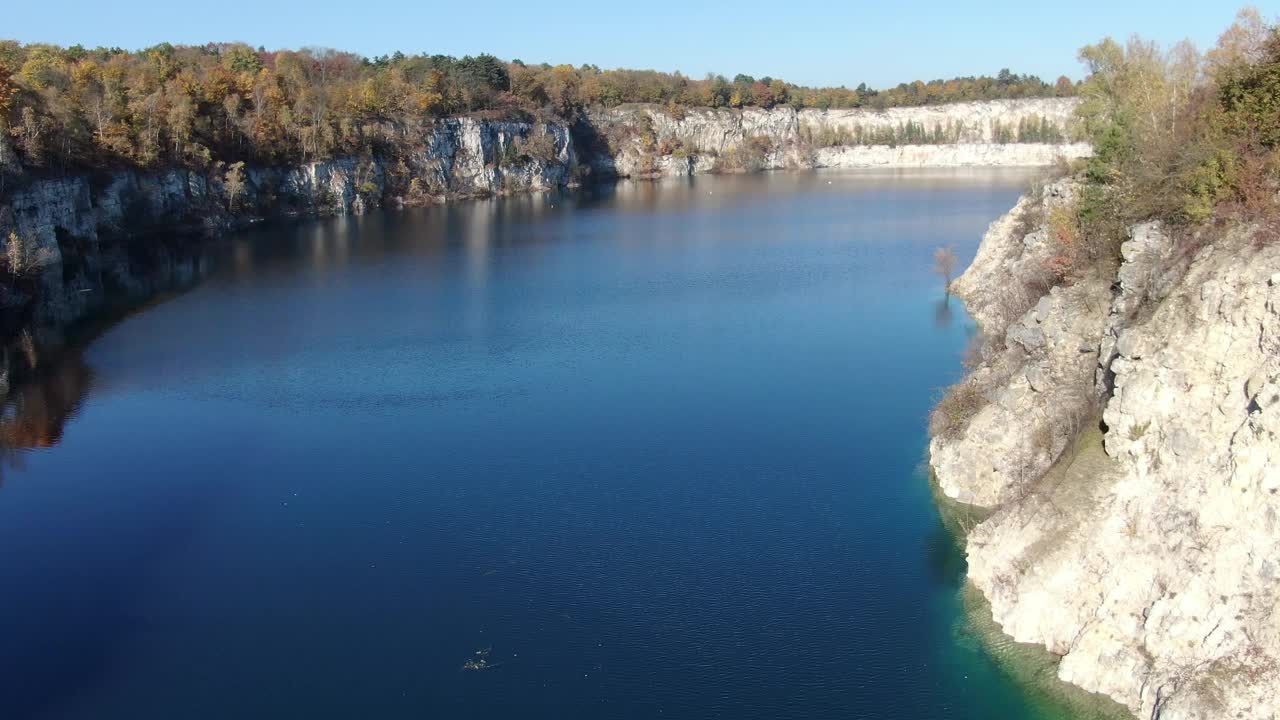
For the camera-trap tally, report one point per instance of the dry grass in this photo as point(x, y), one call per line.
point(956, 409)
point(749, 156)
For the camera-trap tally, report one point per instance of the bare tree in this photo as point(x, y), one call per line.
point(234, 182)
point(944, 264)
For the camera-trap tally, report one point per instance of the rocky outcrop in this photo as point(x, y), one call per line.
point(1041, 350)
point(1144, 550)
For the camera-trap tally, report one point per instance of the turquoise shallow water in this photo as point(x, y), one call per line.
point(641, 452)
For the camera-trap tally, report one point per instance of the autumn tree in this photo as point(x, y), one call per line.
point(8, 88)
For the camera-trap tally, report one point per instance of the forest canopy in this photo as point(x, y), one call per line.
point(67, 108)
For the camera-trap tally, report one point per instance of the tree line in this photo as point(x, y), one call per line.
point(1029, 129)
point(1183, 137)
point(69, 108)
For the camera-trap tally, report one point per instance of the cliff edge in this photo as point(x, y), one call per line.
point(1125, 431)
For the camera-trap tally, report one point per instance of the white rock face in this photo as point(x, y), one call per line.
point(1008, 252)
point(1148, 558)
point(462, 157)
point(35, 216)
point(975, 121)
point(1038, 391)
point(466, 156)
point(642, 138)
point(1038, 375)
point(706, 130)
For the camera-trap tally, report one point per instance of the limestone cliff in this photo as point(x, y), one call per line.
point(63, 236)
point(1145, 549)
point(651, 140)
point(62, 233)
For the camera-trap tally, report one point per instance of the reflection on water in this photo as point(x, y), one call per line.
point(43, 389)
point(650, 445)
point(34, 413)
point(942, 314)
point(481, 226)
point(44, 377)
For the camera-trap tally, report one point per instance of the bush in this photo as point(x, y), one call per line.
point(542, 147)
point(1031, 215)
point(1039, 129)
point(748, 156)
point(1180, 138)
point(672, 146)
point(537, 147)
point(1069, 253)
point(956, 409)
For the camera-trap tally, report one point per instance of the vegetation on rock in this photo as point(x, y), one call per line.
point(1187, 140)
point(69, 109)
point(1179, 137)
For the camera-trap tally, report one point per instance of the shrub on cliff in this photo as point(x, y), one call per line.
point(537, 146)
point(1179, 137)
point(748, 156)
point(958, 405)
point(234, 182)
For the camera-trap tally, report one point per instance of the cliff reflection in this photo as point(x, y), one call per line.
point(44, 378)
point(456, 269)
point(37, 408)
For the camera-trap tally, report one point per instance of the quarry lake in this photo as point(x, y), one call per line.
point(651, 450)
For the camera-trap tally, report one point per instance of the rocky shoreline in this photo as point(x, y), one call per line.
point(1123, 431)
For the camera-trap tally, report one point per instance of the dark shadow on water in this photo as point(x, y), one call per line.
point(44, 378)
point(61, 641)
point(35, 413)
point(63, 632)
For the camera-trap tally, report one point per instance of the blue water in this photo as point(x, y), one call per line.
point(654, 448)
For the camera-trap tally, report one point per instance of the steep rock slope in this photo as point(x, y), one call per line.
point(651, 140)
point(1146, 555)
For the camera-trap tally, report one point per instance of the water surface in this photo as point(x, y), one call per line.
point(653, 450)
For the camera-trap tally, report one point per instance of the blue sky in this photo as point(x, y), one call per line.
point(804, 41)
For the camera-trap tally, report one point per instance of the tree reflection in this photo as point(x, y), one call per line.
point(942, 314)
point(35, 411)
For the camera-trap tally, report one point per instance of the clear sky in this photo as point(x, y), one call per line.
point(803, 41)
